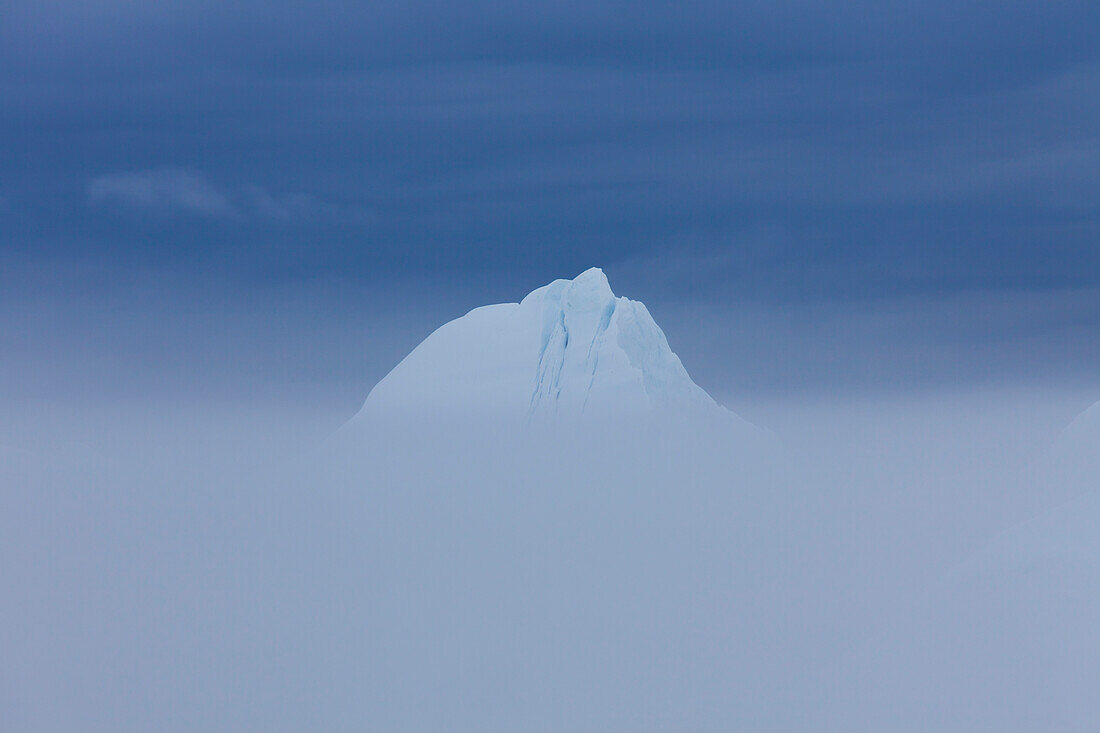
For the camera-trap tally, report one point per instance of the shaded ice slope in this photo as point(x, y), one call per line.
point(1080, 441)
point(1073, 462)
point(569, 348)
point(1007, 642)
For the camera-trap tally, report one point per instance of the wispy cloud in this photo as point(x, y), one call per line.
point(165, 190)
point(173, 191)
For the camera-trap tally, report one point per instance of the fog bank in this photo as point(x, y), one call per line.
point(188, 568)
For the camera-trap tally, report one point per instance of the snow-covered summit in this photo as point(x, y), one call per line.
point(569, 348)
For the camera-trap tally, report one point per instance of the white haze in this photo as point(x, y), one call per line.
point(875, 566)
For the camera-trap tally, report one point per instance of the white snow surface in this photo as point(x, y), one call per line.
point(568, 349)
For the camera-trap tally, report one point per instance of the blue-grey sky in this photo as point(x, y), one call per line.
point(807, 194)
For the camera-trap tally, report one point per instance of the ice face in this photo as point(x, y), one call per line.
point(589, 291)
point(569, 348)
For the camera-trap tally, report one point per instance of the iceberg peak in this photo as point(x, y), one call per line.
point(568, 348)
point(589, 291)
point(586, 292)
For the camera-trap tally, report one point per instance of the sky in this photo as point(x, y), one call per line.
point(208, 200)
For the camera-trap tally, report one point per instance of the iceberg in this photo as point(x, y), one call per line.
point(567, 350)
